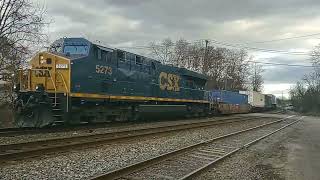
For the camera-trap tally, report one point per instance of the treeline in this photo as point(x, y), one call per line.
point(226, 68)
point(21, 32)
point(305, 96)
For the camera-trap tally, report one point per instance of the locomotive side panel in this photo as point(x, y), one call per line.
point(111, 75)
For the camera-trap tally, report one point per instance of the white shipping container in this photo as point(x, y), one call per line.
point(255, 99)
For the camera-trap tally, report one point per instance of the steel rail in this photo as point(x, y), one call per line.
point(121, 172)
point(9, 132)
point(34, 148)
point(202, 169)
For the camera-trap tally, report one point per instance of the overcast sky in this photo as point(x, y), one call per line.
point(138, 22)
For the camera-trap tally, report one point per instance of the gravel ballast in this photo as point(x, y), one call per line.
point(172, 167)
point(90, 131)
point(126, 126)
point(91, 161)
point(260, 161)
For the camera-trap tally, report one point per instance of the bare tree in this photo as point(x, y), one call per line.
point(164, 51)
point(181, 52)
point(256, 79)
point(21, 26)
point(195, 57)
point(315, 55)
point(226, 68)
point(305, 96)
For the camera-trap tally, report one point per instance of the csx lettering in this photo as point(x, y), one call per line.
point(169, 81)
point(103, 69)
point(42, 73)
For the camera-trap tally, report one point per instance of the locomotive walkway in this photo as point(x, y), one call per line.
point(24, 150)
point(187, 162)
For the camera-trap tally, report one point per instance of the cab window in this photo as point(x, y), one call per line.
point(76, 49)
point(138, 60)
point(107, 56)
point(99, 54)
point(121, 56)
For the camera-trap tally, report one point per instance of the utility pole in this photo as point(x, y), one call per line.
point(282, 102)
point(207, 42)
point(255, 77)
point(205, 59)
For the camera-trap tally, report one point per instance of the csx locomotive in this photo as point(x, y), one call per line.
point(77, 81)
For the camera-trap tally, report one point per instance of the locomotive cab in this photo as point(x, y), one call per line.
point(52, 69)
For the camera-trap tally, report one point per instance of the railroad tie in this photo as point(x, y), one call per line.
point(203, 156)
point(216, 152)
point(157, 176)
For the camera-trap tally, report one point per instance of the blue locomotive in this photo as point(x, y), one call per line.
point(77, 81)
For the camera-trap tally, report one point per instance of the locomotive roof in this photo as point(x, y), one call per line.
point(83, 41)
point(187, 72)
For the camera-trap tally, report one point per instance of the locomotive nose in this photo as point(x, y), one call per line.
point(49, 70)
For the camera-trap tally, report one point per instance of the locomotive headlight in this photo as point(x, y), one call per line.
point(42, 61)
point(39, 88)
point(16, 87)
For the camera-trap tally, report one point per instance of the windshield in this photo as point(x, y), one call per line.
point(56, 48)
point(76, 49)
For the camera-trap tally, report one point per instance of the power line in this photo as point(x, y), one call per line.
point(282, 64)
point(283, 39)
point(241, 46)
point(269, 63)
point(262, 63)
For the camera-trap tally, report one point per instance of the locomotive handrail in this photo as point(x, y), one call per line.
point(54, 84)
point(67, 90)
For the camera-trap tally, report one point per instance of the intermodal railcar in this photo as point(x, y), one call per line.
point(229, 102)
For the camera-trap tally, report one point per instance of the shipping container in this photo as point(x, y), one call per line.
point(273, 100)
point(228, 97)
point(268, 102)
point(233, 108)
point(255, 99)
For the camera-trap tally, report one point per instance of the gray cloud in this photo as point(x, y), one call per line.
point(285, 74)
point(119, 22)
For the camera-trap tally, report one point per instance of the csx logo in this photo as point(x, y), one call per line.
point(169, 82)
point(42, 73)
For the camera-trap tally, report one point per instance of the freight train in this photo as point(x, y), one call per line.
point(260, 102)
point(77, 81)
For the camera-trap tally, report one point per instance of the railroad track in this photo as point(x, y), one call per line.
point(188, 162)
point(10, 132)
point(24, 150)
